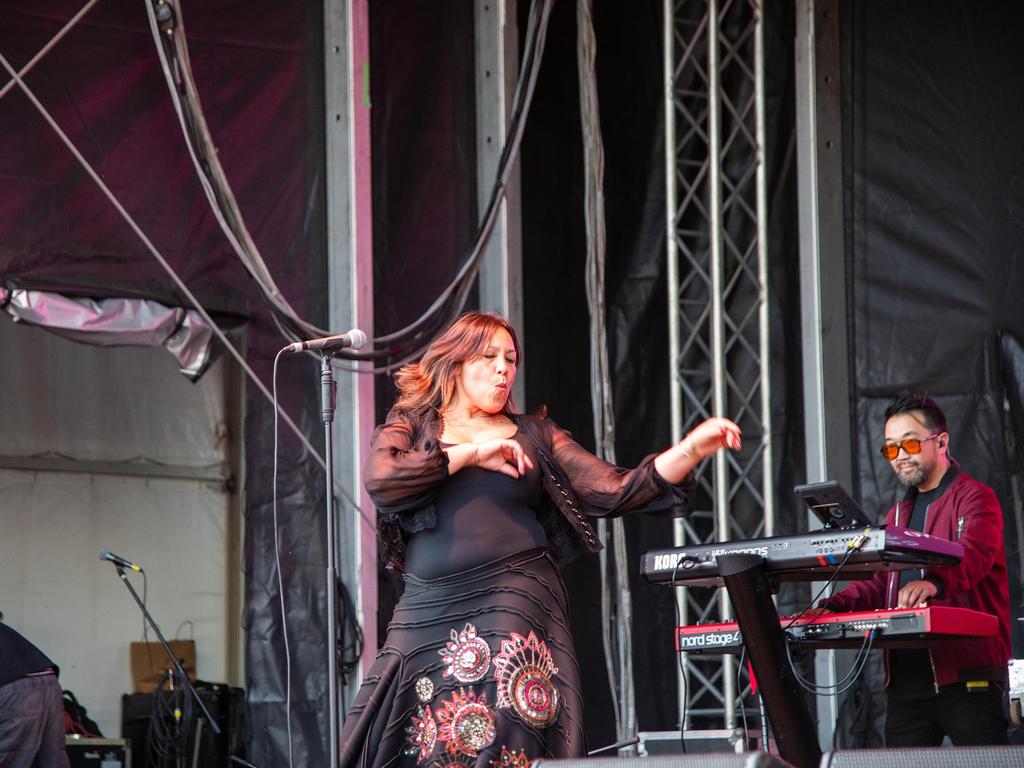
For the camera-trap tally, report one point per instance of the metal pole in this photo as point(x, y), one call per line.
point(671, 250)
point(822, 304)
point(672, 278)
point(497, 64)
point(718, 372)
point(764, 320)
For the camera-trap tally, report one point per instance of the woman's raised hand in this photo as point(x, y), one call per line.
point(711, 436)
point(502, 455)
point(703, 440)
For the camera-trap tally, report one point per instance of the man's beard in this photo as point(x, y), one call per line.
point(913, 478)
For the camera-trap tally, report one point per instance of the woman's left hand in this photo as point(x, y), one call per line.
point(713, 435)
point(704, 439)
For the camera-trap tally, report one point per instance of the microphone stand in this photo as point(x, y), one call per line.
point(170, 654)
point(614, 747)
point(328, 389)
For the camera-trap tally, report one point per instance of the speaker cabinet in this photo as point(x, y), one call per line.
point(926, 757)
point(704, 760)
point(98, 753)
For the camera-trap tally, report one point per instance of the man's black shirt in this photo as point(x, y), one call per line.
point(910, 669)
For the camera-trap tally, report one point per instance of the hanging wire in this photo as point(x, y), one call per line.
point(407, 344)
point(615, 595)
point(140, 234)
point(49, 46)
point(167, 24)
point(392, 350)
point(175, 278)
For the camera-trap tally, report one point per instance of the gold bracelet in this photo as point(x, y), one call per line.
point(686, 445)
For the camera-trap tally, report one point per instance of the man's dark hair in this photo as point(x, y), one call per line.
point(909, 402)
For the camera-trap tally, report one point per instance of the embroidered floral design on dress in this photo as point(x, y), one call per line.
point(524, 670)
point(511, 758)
point(421, 735)
point(424, 689)
point(466, 723)
point(466, 656)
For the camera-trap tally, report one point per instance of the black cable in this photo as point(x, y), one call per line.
point(402, 345)
point(679, 658)
point(350, 641)
point(854, 546)
point(280, 578)
point(409, 342)
point(843, 685)
point(145, 624)
point(840, 687)
point(743, 707)
point(170, 722)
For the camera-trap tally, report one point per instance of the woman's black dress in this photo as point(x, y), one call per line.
point(478, 666)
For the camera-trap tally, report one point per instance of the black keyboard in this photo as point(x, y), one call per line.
point(810, 556)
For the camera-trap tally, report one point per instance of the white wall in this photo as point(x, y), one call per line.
point(71, 403)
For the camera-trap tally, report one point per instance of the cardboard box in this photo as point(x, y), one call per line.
point(150, 663)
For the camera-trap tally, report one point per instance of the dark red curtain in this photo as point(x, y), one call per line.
point(259, 72)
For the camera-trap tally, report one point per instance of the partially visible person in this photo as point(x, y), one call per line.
point(31, 706)
point(478, 505)
point(956, 688)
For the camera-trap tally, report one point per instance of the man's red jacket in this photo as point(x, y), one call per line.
point(968, 513)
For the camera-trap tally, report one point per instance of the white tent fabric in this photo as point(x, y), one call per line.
point(151, 446)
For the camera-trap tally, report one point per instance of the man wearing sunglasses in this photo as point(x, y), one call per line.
point(956, 688)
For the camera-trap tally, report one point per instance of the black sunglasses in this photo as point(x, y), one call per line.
point(911, 445)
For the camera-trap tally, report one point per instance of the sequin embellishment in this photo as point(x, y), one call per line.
point(466, 723)
point(421, 735)
point(524, 670)
point(466, 656)
point(511, 758)
point(424, 689)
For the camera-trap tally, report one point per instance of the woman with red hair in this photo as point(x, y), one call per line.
point(478, 505)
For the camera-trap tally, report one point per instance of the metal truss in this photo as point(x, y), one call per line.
point(718, 299)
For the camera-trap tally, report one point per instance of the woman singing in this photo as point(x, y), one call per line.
point(477, 506)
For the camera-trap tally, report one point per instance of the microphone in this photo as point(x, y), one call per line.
point(120, 562)
point(354, 339)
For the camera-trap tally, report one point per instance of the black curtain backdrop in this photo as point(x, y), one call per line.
point(423, 134)
point(630, 90)
point(555, 338)
point(934, 107)
point(259, 72)
point(423, 127)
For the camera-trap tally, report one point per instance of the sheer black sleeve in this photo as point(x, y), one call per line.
point(605, 490)
point(404, 469)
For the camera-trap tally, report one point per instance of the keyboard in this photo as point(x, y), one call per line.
point(807, 556)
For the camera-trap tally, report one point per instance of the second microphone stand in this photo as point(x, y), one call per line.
point(170, 654)
point(328, 389)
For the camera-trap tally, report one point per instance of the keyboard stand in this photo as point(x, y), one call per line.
point(750, 591)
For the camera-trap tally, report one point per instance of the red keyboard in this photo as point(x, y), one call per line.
point(899, 628)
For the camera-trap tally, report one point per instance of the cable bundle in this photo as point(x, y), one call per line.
point(170, 723)
point(392, 350)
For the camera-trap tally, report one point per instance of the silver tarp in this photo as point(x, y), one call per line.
point(117, 323)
